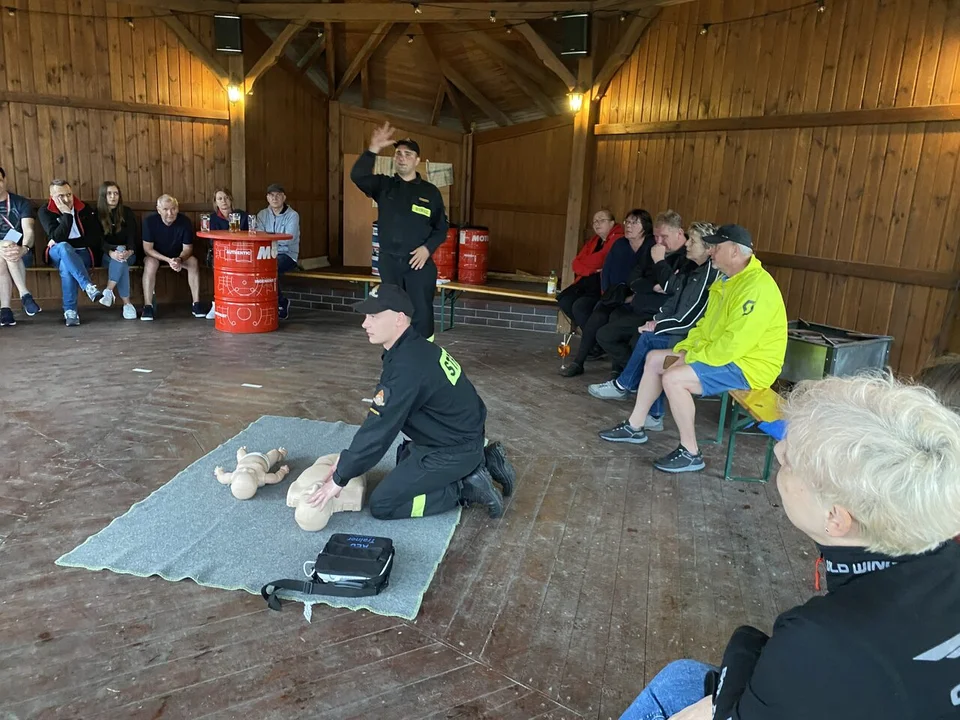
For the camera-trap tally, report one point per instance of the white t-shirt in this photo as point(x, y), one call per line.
point(75, 230)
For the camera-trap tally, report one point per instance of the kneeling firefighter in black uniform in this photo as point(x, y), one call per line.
point(423, 392)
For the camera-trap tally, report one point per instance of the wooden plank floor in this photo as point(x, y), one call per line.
point(600, 572)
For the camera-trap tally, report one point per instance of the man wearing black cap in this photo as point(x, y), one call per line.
point(739, 344)
point(278, 217)
point(411, 222)
point(424, 393)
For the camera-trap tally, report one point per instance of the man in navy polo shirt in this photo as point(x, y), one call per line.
point(17, 223)
point(168, 238)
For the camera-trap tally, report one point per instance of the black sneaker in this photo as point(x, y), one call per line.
point(680, 460)
point(572, 370)
point(477, 489)
point(30, 306)
point(495, 458)
point(597, 353)
point(624, 433)
point(6, 317)
point(147, 313)
point(197, 311)
point(284, 308)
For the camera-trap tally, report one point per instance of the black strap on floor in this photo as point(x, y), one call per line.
point(344, 588)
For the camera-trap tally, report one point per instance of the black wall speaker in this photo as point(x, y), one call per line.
point(576, 34)
point(227, 33)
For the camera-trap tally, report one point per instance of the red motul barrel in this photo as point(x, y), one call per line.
point(445, 256)
point(245, 284)
point(472, 265)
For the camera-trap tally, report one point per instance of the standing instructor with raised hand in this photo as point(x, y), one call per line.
point(411, 222)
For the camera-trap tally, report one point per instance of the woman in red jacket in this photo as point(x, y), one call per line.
point(578, 300)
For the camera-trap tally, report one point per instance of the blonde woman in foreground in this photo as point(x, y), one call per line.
point(870, 471)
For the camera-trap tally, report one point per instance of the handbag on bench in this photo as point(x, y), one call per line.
point(348, 566)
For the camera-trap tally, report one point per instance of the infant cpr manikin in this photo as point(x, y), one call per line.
point(311, 518)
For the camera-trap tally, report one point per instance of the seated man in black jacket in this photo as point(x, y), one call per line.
point(685, 305)
point(74, 236)
point(870, 471)
point(649, 285)
point(423, 392)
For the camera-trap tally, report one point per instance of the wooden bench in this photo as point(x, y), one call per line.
point(450, 292)
point(43, 281)
point(753, 407)
point(367, 279)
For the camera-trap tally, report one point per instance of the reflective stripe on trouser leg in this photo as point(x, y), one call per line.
point(419, 502)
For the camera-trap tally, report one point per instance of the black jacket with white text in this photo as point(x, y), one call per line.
point(883, 644)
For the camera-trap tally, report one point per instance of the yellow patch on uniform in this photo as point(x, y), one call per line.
point(374, 411)
point(420, 210)
point(424, 200)
point(451, 368)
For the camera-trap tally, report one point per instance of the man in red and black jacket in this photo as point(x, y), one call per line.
point(578, 300)
point(74, 235)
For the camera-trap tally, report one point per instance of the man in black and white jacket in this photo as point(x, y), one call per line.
point(685, 302)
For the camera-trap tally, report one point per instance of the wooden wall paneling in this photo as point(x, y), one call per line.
point(940, 239)
point(930, 55)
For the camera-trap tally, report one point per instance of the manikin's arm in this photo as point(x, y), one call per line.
point(274, 478)
point(241, 452)
point(223, 476)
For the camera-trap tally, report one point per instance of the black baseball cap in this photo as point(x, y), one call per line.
point(276, 187)
point(730, 233)
point(412, 144)
point(385, 297)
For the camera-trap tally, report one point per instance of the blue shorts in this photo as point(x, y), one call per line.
point(716, 380)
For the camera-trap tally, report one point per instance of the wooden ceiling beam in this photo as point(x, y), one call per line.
point(310, 56)
point(438, 104)
point(546, 55)
point(515, 67)
point(403, 11)
point(273, 53)
point(371, 44)
point(197, 48)
point(465, 86)
point(492, 46)
point(621, 53)
point(444, 83)
point(475, 96)
point(365, 85)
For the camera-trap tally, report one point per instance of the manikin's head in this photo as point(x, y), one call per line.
point(731, 248)
point(668, 231)
point(406, 158)
point(168, 207)
point(389, 311)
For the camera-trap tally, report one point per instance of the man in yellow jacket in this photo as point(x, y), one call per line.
point(739, 344)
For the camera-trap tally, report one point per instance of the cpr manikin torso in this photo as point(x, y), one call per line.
point(311, 518)
point(253, 471)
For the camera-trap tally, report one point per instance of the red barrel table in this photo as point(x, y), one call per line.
point(245, 280)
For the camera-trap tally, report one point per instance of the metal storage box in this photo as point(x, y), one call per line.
point(815, 351)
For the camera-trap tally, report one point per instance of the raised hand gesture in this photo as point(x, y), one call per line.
point(381, 137)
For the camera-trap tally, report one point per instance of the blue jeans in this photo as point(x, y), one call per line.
point(630, 377)
point(73, 264)
point(285, 264)
point(678, 686)
point(119, 272)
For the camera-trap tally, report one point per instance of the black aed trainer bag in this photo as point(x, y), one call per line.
point(348, 566)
